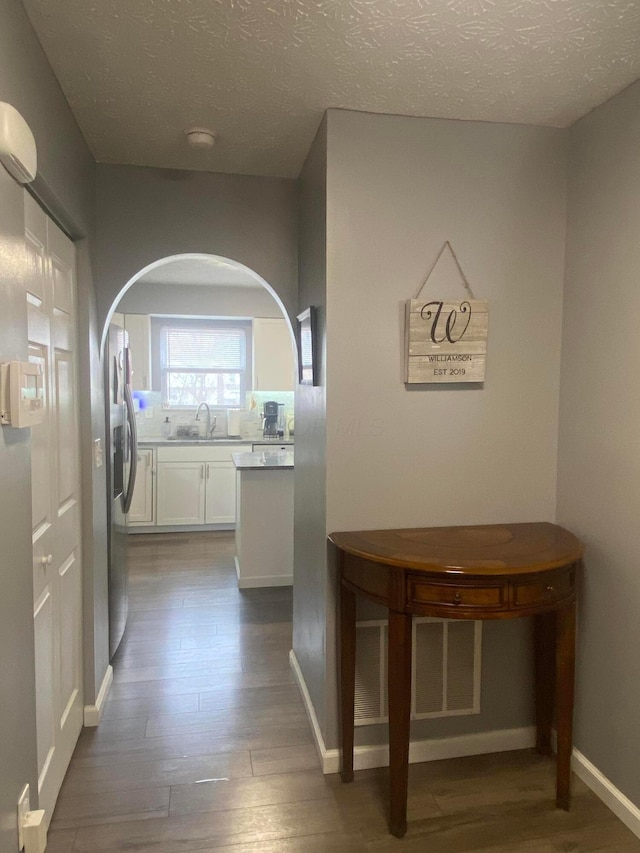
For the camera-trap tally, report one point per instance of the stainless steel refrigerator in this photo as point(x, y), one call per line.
point(121, 475)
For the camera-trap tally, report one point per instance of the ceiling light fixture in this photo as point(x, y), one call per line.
point(200, 137)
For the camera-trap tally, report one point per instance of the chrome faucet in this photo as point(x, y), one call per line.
point(211, 422)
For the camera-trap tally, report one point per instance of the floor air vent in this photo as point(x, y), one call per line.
point(446, 669)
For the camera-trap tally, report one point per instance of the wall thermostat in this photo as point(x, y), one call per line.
point(22, 401)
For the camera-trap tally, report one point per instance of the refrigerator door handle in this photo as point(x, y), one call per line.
point(127, 495)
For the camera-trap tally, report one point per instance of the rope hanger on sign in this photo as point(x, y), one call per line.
point(447, 245)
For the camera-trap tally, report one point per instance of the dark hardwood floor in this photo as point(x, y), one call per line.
point(205, 744)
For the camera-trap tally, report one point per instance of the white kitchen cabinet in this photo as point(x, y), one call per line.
point(273, 361)
point(181, 493)
point(264, 527)
point(138, 326)
point(142, 503)
point(220, 493)
point(196, 485)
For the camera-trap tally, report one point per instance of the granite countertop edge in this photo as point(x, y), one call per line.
point(198, 442)
point(263, 460)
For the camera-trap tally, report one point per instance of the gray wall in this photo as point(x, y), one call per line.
point(397, 188)
point(144, 215)
point(65, 185)
point(310, 594)
point(220, 301)
point(599, 458)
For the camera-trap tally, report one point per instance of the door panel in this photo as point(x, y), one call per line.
point(221, 493)
point(40, 455)
point(45, 667)
point(65, 445)
point(180, 493)
point(69, 587)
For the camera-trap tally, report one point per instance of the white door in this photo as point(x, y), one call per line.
point(221, 493)
point(57, 576)
point(180, 493)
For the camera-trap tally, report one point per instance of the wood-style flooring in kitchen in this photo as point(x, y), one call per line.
point(205, 744)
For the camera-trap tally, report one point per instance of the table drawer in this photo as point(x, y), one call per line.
point(539, 592)
point(454, 595)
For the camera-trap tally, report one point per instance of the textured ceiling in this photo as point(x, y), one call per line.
point(205, 271)
point(137, 73)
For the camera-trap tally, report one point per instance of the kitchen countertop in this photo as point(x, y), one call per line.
point(263, 459)
point(187, 441)
point(155, 440)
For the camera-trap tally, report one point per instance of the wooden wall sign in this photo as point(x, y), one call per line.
point(446, 340)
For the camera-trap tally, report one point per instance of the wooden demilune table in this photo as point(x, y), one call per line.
point(499, 571)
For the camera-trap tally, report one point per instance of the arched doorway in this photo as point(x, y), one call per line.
point(184, 306)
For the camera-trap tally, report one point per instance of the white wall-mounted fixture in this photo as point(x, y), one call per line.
point(200, 137)
point(17, 145)
point(22, 402)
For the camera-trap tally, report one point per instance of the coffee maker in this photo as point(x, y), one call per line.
point(270, 419)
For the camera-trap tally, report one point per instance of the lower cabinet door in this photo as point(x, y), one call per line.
point(221, 493)
point(181, 493)
point(141, 511)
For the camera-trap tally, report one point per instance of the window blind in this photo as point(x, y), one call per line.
point(196, 349)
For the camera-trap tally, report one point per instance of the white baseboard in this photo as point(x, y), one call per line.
point(257, 581)
point(611, 796)
point(308, 706)
point(274, 580)
point(93, 713)
point(366, 757)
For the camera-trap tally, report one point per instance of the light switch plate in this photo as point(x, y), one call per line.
point(98, 459)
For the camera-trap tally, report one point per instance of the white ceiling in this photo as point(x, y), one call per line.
point(137, 73)
point(203, 271)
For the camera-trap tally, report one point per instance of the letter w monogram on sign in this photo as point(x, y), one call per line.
point(446, 340)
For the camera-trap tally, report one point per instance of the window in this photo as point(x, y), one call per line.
point(202, 361)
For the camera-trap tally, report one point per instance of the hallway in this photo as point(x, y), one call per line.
point(205, 744)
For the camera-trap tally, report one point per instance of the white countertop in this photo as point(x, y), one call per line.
point(155, 440)
point(263, 459)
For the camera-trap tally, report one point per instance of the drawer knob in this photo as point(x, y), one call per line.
point(551, 589)
point(457, 598)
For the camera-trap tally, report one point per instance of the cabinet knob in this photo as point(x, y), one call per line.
point(46, 561)
point(551, 589)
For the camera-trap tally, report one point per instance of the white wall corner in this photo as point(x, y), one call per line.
point(366, 757)
point(620, 805)
point(93, 713)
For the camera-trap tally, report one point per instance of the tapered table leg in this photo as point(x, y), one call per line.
point(399, 717)
point(545, 678)
point(565, 675)
point(347, 678)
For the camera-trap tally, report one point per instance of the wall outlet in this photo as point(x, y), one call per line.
point(24, 807)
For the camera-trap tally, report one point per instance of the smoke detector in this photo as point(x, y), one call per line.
point(200, 137)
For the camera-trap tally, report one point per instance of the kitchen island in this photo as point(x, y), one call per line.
point(264, 518)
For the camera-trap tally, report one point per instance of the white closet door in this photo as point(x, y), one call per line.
point(57, 577)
